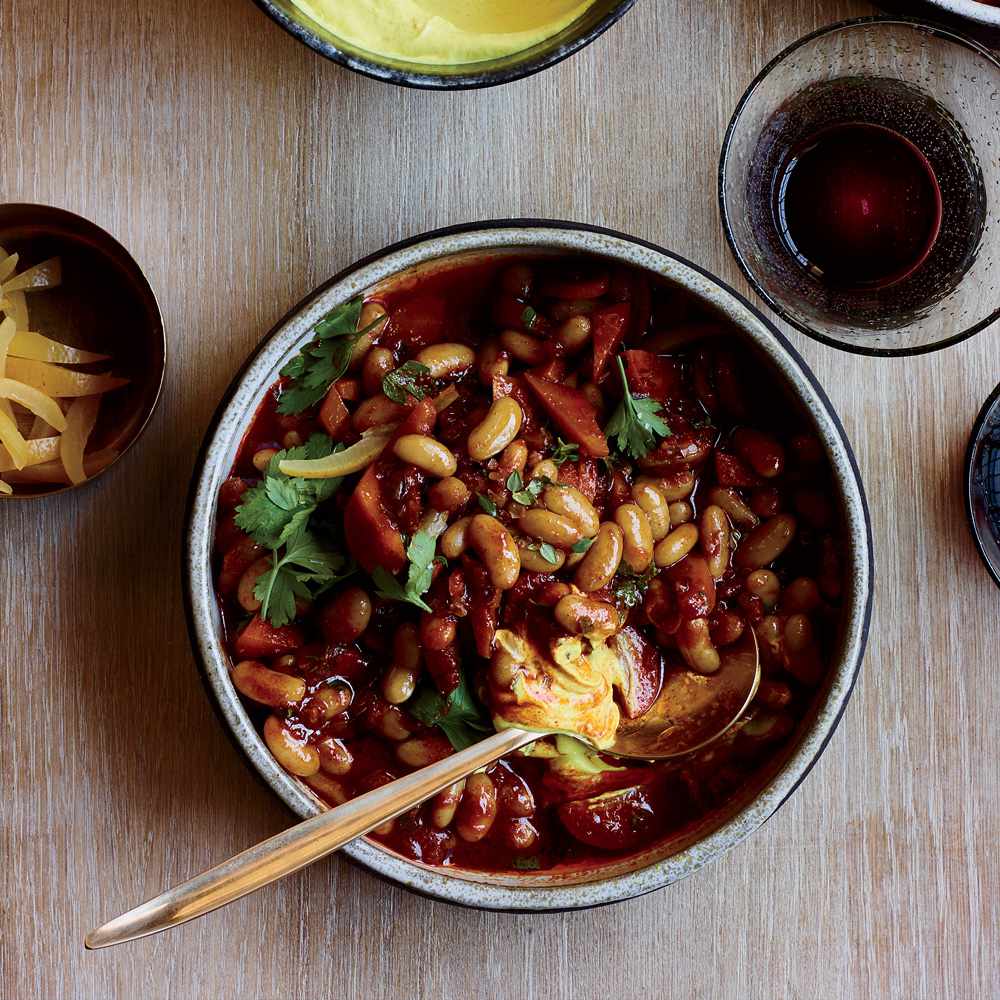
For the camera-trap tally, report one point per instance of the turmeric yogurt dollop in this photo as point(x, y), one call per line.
point(444, 32)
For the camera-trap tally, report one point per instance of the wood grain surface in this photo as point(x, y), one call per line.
point(241, 170)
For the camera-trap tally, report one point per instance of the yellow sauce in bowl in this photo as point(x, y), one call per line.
point(444, 32)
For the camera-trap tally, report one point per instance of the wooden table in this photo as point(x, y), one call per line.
point(241, 170)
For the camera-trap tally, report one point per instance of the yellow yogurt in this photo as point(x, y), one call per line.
point(445, 32)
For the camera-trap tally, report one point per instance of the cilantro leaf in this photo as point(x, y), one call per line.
point(325, 358)
point(526, 495)
point(403, 382)
point(304, 570)
point(459, 716)
point(487, 504)
point(271, 511)
point(635, 423)
point(420, 552)
point(565, 451)
point(548, 553)
point(630, 588)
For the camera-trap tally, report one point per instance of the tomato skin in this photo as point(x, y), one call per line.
point(572, 413)
point(370, 535)
point(260, 638)
point(419, 321)
point(733, 471)
point(694, 587)
point(238, 558)
point(609, 326)
point(615, 821)
point(650, 375)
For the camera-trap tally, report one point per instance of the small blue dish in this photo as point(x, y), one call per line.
point(982, 483)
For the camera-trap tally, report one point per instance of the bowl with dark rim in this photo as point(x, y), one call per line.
point(982, 484)
point(460, 76)
point(104, 304)
point(662, 863)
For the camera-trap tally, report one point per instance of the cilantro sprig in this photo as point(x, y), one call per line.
point(405, 381)
point(304, 570)
point(635, 423)
point(325, 358)
point(273, 510)
point(630, 588)
point(565, 451)
point(277, 513)
point(526, 494)
point(420, 553)
point(459, 716)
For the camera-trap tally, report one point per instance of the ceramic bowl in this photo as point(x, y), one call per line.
point(464, 76)
point(104, 304)
point(624, 877)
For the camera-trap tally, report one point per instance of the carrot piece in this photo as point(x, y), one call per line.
point(371, 536)
point(333, 414)
point(572, 413)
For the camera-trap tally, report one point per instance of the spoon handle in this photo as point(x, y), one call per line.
point(302, 844)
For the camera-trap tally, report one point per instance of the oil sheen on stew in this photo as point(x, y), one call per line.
point(532, 543)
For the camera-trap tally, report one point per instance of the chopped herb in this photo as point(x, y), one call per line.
point(526, 495)
point(630, 588)
point(582, 545)
point(487, 504)
point(420, 552)
point(305, 570)
point(459, 716)
point(529, 317)
point(277, 507)
point(548, 553)
point(404, 381)
point(635, 423)
point(325, 358)
point(529, 864)
point(565, 451)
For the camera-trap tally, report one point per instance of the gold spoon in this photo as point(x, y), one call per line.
point(691, 711)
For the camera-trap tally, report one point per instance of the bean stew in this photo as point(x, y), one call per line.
point(516, 490)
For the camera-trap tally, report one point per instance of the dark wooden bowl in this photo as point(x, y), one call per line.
point(104, 304)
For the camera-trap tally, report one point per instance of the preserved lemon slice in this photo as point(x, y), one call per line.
point(15, 305)
point(341, 463)
point(35, 347)
point(35, 400)
point(56, 381)
point(53, 472)
point(7, 266)
point(80, 419)
point(48, 274)
point(12, 439)
point(40, 450)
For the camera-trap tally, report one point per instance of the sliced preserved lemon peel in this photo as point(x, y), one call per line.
point(5, 489)
point(53, 472)
point(15, 305)
point(7, 266)
point(56, 381)
point(35, 347)
point(80, 419)
point(359, 456)
point(38, 402)
point(42, 276)
point(12, 439)
point(38, 450)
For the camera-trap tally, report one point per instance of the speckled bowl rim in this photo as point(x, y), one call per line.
point(261, 370)
point(970, 10)
point(535, 59)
